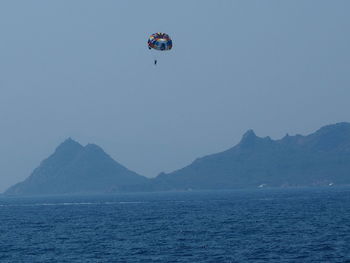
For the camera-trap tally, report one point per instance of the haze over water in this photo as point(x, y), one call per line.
point(82, 69)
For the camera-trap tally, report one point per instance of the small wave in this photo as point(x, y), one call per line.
point(72, 204)
point(132, 202)
point(265, 199)
point(48, 204)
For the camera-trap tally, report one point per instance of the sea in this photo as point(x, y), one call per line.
point(262, 225)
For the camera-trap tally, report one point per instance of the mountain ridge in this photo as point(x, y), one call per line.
point(319, 158)
point(300, 160)
point(74, 168)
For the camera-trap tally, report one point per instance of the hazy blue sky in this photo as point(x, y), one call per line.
point(82, 69)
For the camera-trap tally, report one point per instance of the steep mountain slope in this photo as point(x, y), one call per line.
point(73, 168)
point(320, 158)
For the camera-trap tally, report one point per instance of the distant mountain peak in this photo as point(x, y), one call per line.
point(70, 141)
point(73, 168)
point(69, 144)
point(318, 159)
point(248, 138)
point(249, 134)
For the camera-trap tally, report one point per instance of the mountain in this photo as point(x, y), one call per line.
point(321, 158)
point(73, 168)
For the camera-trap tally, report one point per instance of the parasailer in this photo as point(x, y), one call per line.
point(160, 42)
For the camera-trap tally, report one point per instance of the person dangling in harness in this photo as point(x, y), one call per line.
point(160, 42)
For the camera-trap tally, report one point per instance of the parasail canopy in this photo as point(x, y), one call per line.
point(160, 41)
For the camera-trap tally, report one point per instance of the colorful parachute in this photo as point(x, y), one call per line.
point(160, 41)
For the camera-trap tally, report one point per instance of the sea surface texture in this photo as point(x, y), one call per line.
point(291, 225)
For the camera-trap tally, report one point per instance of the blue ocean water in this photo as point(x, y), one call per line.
point(290, 225)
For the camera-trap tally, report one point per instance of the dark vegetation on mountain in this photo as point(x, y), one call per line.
point(319, 159)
